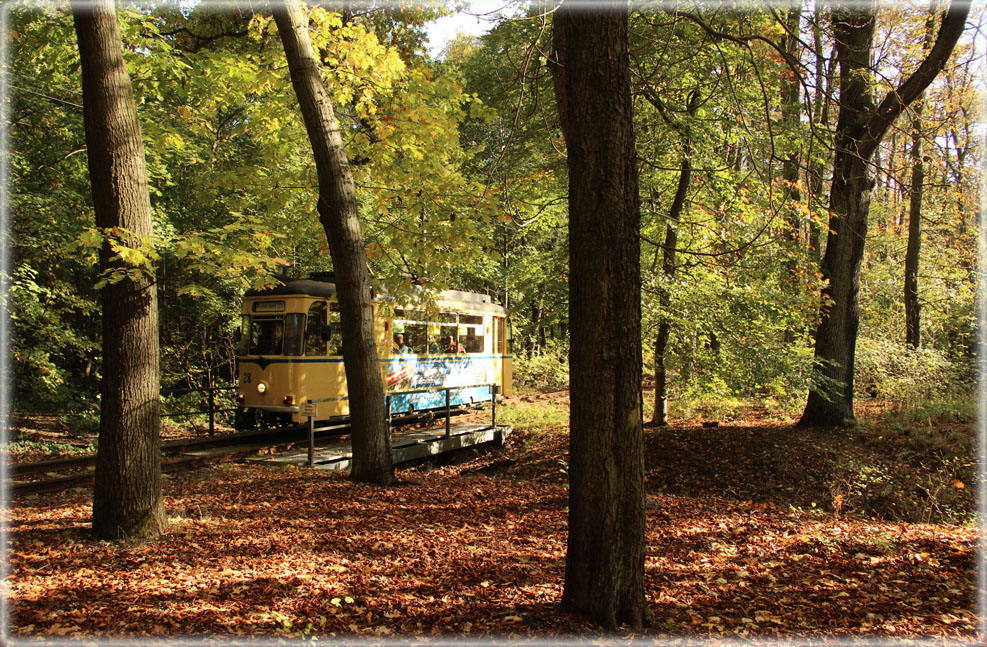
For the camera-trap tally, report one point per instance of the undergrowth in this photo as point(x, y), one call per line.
point(914, 464)
point(48, 447)
point(547, 368)
point(534, 417)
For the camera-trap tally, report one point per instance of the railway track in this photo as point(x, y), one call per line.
point(65, 473)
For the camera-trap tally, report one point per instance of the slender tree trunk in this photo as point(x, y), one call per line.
point(660, 417)
point(127, 499)
point(372, 461)
point(791, 112)
point(914, 249)
point(817, 169)
point(859, 131)
point(604, 578)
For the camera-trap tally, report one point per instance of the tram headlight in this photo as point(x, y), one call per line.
point(289, 400)
point(240, 398)
point(261, 388)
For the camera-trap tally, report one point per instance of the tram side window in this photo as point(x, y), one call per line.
point(472, 326)
point(411, 324)
point(448, 332)
point(415, 337)
point(313, 333)
point(266, 335)
point(500, 326)
point(294, 326)
point(336, 336)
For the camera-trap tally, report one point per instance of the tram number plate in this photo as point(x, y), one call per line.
point(309, 409)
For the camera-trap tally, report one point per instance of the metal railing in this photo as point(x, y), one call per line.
point(310, 410)
point(211, 403)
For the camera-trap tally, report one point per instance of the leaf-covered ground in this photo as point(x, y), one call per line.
point(478, 549)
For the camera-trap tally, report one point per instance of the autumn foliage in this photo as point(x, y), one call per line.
point(478, 549)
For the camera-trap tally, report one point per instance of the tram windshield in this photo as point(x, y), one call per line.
point(274, 334)
point(266, 335)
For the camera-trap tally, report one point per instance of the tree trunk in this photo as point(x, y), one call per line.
point(372, 461)
point(791, 109)
point(660, 417)
point(821, 115)
point(604, 578)
point(859, 130)
point(914, 249)
point(127, 499)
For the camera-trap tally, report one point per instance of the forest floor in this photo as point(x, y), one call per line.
point(754, 531)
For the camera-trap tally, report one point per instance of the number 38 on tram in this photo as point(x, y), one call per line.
point(291, 352)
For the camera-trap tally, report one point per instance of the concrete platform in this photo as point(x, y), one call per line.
point(405, 447)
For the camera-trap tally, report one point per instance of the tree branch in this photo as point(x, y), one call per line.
point(896, 101)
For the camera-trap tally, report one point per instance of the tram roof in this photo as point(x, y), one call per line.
point(298, 287)
point(455, 299)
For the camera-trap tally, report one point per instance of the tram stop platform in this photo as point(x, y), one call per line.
point(405, 447)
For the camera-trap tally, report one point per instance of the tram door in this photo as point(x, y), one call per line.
point(500, 350)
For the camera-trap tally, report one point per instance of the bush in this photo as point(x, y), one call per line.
point(938, 492)
point(893, 370)
point(921, 386)
point(548, 369)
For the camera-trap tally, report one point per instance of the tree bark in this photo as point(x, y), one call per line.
point(860, 127)
point(913, 252)
point(127, 499)
point(372, 460)
point(604, 578)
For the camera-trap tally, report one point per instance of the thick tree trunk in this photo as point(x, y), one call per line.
point(859, 130)
point(913, 251)
point(604, 578)
point(127, 492)
point(372, 461)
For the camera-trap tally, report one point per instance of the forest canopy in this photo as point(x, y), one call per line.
point(460, 169)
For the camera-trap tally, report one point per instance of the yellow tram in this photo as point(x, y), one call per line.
point(290, 351)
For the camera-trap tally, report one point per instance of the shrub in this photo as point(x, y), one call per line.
point(548, 369)
point(938, 492)
point(893, 370)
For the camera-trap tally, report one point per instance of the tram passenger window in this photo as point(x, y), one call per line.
point(432, 339)
point(473, 340)
point(500, 326)
point(313, 332)
point(336, 338)
point(471, 333)
point(415, 338)
point(293, 327)
point(266, 335)
point(448, 336)
point(411, 324)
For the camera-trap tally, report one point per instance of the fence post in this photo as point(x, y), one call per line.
point(448, 431)
point(311, 441)
point(212, 412)
point(387, 413)
point(493, 405)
